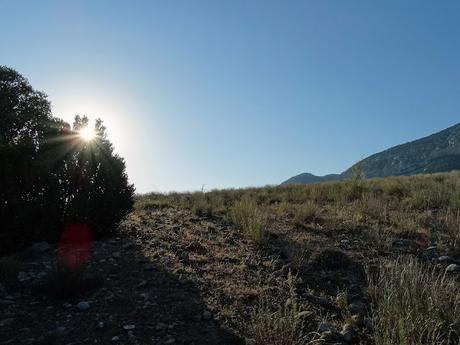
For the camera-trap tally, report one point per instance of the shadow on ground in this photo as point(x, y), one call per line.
point(137, 302)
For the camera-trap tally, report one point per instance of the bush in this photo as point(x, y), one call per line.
point(50, 176)
point(414, 305)
point(246, 215)
point(305, 213)
point(282, 325)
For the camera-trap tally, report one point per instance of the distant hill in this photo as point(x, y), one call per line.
point(439, 152)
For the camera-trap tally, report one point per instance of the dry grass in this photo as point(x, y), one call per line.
point(279, 325)
point(414, 305)
point(305, 213)
point(246, 215)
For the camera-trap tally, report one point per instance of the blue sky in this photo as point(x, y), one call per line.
point(242, 93)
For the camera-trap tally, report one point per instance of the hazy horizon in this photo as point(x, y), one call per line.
point(235, 94)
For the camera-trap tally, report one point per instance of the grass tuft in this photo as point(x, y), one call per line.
point(246, 215)
point(414, 305)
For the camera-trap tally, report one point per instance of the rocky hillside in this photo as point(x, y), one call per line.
point(439, 152)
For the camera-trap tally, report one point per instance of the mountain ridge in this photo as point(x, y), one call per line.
point(437, 152)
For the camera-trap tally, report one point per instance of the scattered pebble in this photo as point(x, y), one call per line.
point(207, 315)
point(348, 332)
point(129, 327)
point(41, 247)
point(452, 268)
point(62, 331)
point(83, 305)
point(357, 308)
point(23, 276)
point(325, 327)
point(444, 258)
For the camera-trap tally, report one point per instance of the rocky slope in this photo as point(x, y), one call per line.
point(439, 152)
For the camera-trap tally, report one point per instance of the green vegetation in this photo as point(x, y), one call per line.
point(50, 175)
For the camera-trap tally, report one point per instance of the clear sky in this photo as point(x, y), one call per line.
point(241, 93)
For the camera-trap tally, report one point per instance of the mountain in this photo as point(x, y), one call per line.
point(439, 152)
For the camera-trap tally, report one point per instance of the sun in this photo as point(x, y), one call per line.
point(87, 133)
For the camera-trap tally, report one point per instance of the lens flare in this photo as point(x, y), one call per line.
point(75, 245)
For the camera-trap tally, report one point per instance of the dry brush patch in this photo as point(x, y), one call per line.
point(414, 304)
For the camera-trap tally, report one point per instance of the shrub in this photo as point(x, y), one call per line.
point(305, 213)
point(414, 305)
point(247, 216)
point(50, 176)
point(279, 325)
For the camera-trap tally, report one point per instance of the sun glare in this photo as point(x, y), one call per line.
point(87, 133)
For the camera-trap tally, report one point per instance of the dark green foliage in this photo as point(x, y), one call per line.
point(49, 176)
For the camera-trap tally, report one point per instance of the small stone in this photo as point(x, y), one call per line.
point(83, 305)
point(330, 337)
point(170, 341)
point(348, 332)
point(398, 242)
point(62, 331)
point(345, 241)
point(207, 315)
point(115, 338)
point(6, 322)
point(444, 258)
point(23, 276)
point(160, 326)
point(129, 327)
point(358, 320)
point(41, 274)
point(452, 268)
point(100, 325)
point(325, 327)
point(357, 308)
point(142, 284)
point(41, 247)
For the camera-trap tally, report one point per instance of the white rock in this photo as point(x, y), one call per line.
point(444, 258)
point(129, 327)
point(452, 268)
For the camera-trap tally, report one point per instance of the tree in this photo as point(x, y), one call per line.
point(50, 176)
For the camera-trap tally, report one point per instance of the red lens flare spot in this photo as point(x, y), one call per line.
point(75, 245)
